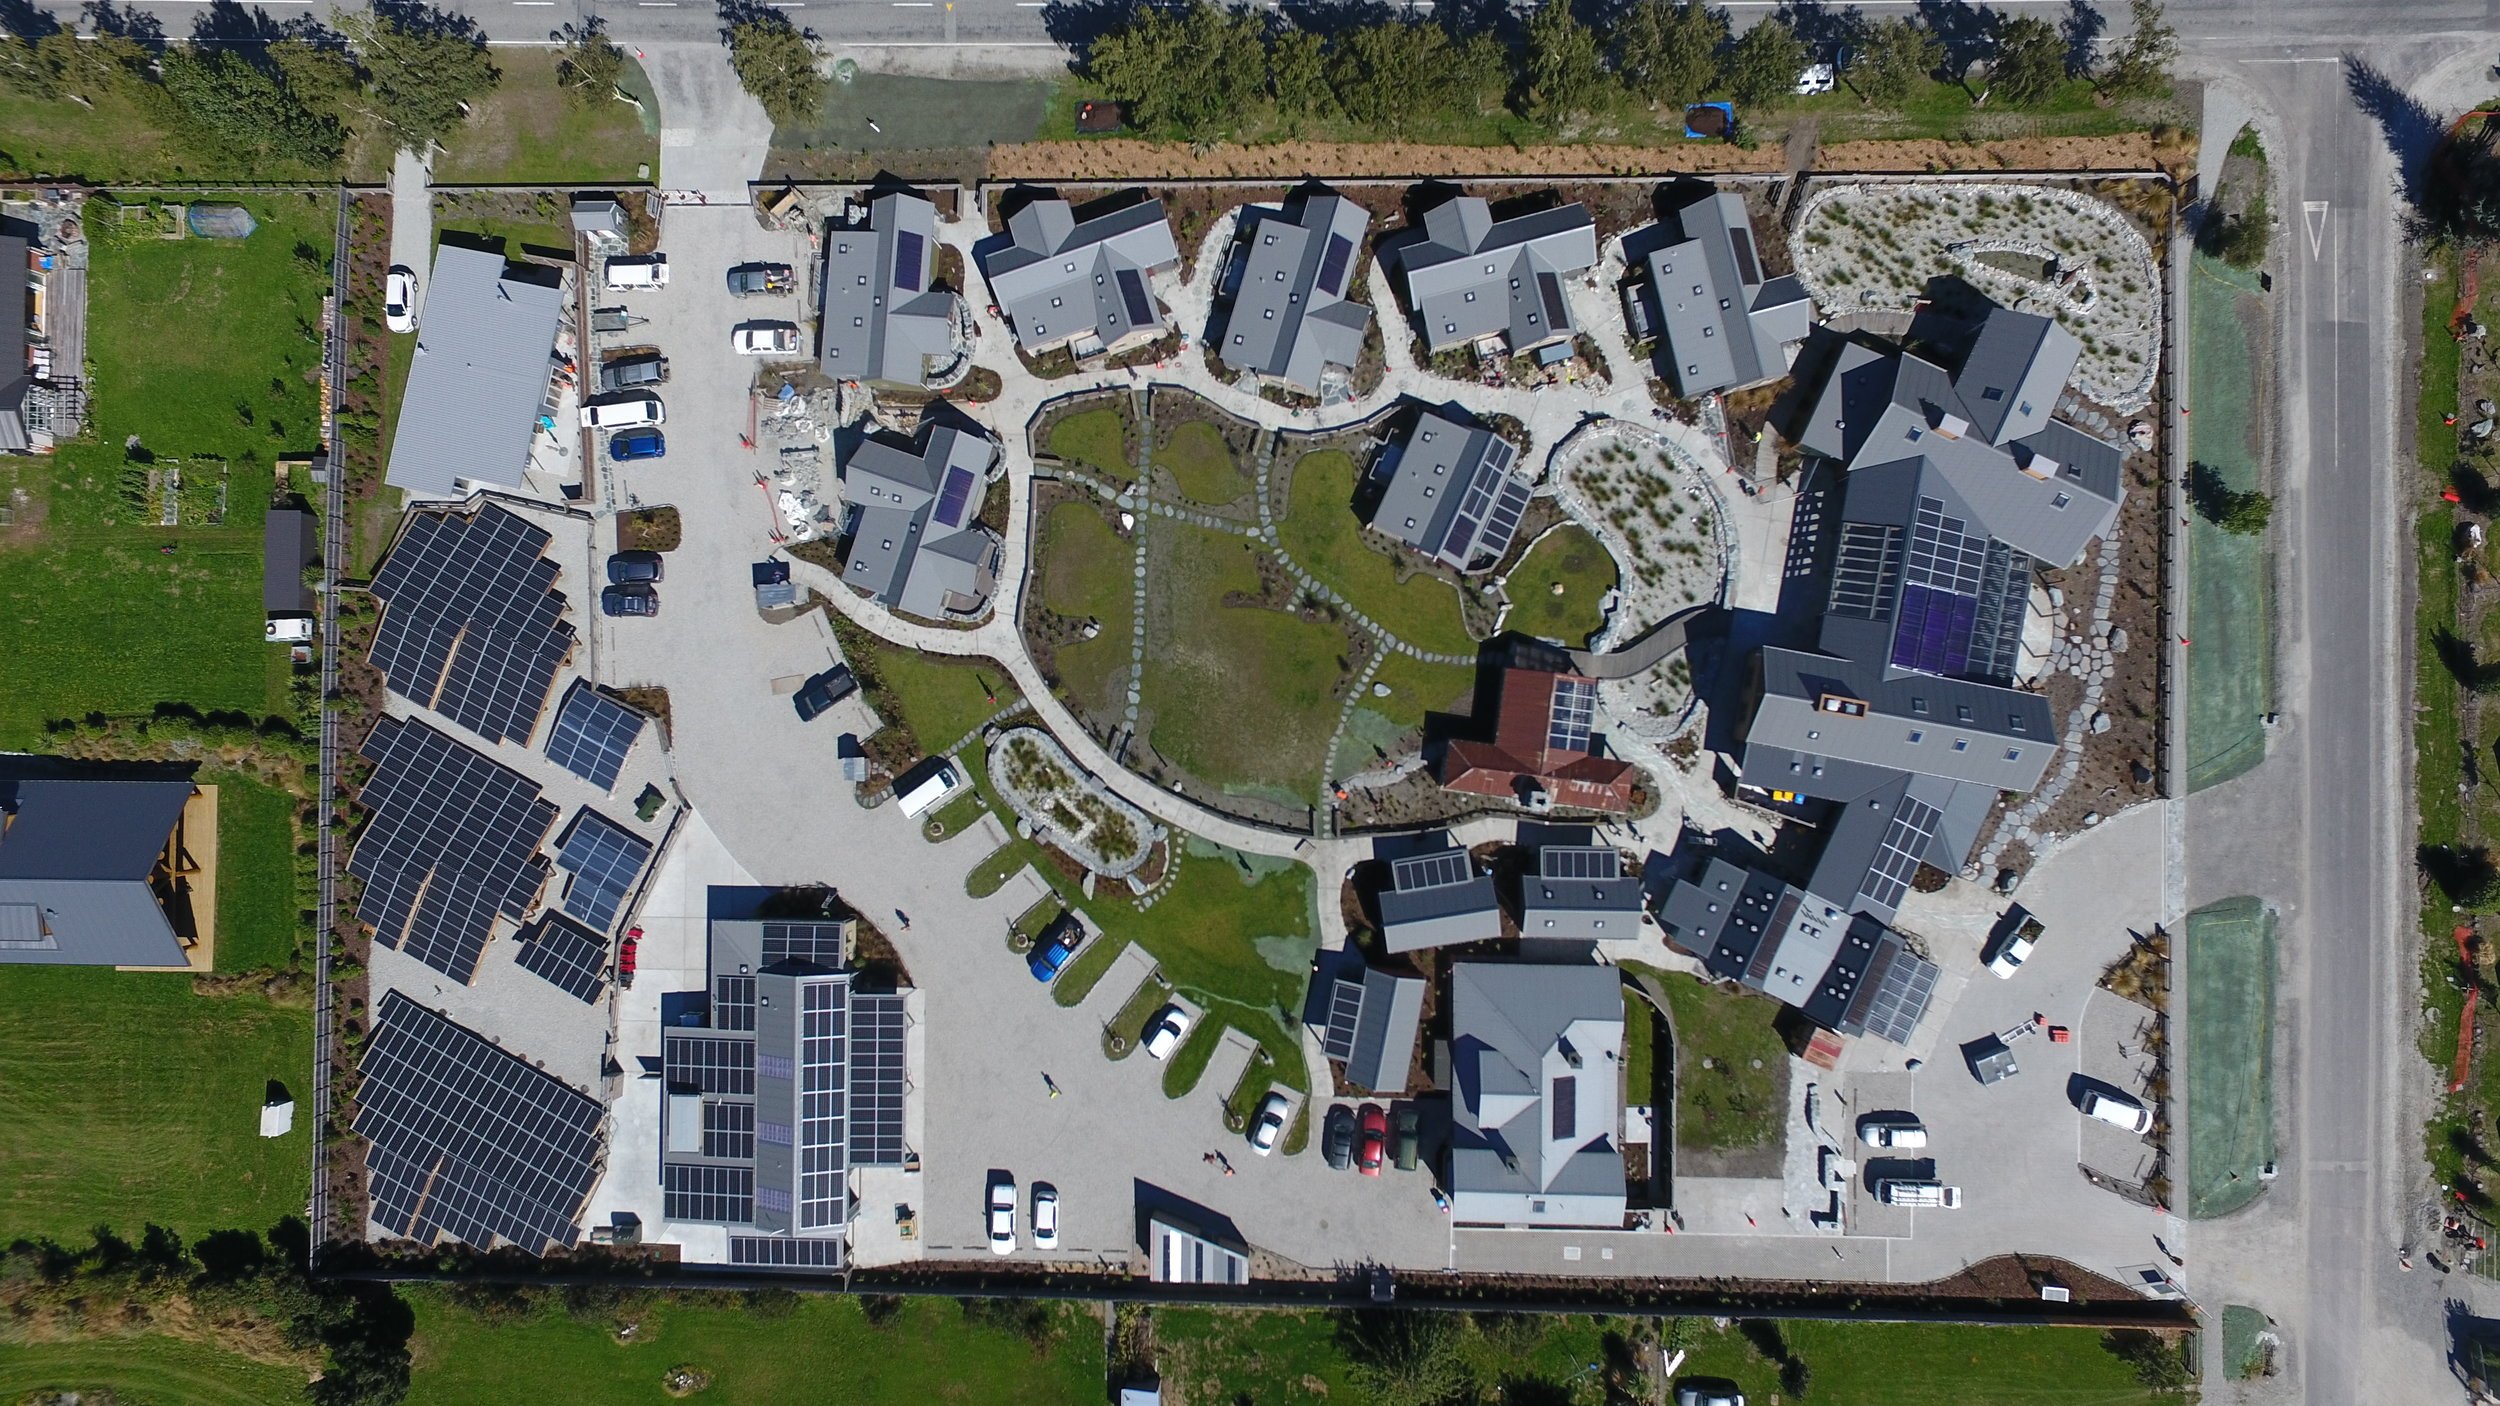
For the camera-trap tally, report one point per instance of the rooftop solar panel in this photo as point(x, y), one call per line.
point(958, 493)
point(470, 1143)
point(907, 250)
point(592, 734)
point(718, 1195)
point(451, 843)
point(1944, 552)
point(564, 954)
point(728, 1128)
point(1933, 632)
point(733, 1003)
point(1345, 1013)
point(1897, 997)
point(1579, 862)
point(1502, 521)
point(604, 859)
point(877, 1080)
point(821, 943)
point(1868, 569)
point(1141, 309)
point(1436, 870)
point(1573, 719)
point(472, 626)
point(1332, 264)
point(785, 1251)
point(1887, 881)
point(1748, 270)
point(709, 1064)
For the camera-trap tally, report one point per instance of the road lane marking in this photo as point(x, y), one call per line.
point(2314, 211)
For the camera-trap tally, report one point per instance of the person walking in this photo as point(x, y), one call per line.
point(1050, 1083)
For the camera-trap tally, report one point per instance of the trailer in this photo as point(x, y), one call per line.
point(613, 320)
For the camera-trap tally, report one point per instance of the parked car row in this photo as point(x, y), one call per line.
point(1362, 1139)
point(1002, 1216)
point(633, 584)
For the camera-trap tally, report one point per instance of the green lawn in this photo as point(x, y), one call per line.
point(205, 350)
point(822, 1349)
point(1088, 573)
point(1188, 1064)
point(256, 899)
point(2230, 1054)
point(1199, 460)
point(1577, 562)
point(116, 143)
point(1321, 532)
point(917, 114)
point(131, 1101)
point(158, 1370)
point(1935, 109)
point(1095, 440)
point(525, 131)
point(1241, 696)
point(1415, 688)
point(939, 699)
point(1885, 1364)
point(1731, 1104)
point(2230, 685)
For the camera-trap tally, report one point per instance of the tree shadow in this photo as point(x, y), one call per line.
point(1824, 30)
point(418, 17)
point(1073, 24)
point(2475, 493)
point(2460, 874)
point(229, 25)
point(105, 17)
point(2081, 28)
point(1334, 21)
point(26, 22)
point(1966, 32)
point(2410, 129)
point(2463, 663)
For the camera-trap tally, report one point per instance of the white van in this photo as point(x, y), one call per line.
point(2118, 1111)
point(638, 271)
point(932, 789)
point(617, 414)
point(1891, 1130)
point(1928, 1195)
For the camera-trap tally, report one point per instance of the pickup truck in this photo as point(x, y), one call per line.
point(764, 338)
point(754, 280)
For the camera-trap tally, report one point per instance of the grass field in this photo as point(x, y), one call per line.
point(2230, 684)
point(256, 925)
point(1199, 460)
point(1188, 1064)
point(129, 1100)
point(939, 699)
point(919, 113)
point(1088, 573)
point(1572, 559)
point(1731, 1104)
point(525, 131)
point(1321, 532)
point(1884, 1364)
point(116, 143)
point(157, 1370)
point(822, 1349)
point(1240, 696)
point(1095, 440)
point(2230, 1054)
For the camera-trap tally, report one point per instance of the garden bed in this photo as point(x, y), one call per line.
point(1061, 804)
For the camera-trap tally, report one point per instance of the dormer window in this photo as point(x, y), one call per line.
point(1842, 704)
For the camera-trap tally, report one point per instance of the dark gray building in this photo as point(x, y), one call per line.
point(1293, 319)
point(882, 322)
point(1450, 492)
point(480, 377)
point(95, 873)
point(1473, 276)
point(1085, 286)
point(1437, 899)
point(917, 543)
point(1372, 1019)
point(289, 544)
point(1846, 971)
point(1536, 1067)
point(795, 1078)
point(1580, 893)
point(1720, 323)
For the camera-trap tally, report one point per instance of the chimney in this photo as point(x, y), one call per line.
point(1570, 1054)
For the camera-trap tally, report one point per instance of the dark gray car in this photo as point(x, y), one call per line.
point(628, 372)
point(753, 280)
point(1337, 1141)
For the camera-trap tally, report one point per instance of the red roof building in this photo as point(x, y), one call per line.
point(1540, 754)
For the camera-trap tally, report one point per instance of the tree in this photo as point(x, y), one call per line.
point(1408, 1358)
point(425, 67)
point(2030, 62)
point(588, 65)
point(1194, 70)
point(2239, 241)
point(1297, 74)
point(2141, 66)
point(1668, 50)
point(1895, 55)
point(776, 64)
point(1565, 74)
point(2245, 513)
point(25, 70)
point(324, 78)
point(1764, 65)
point(223, 103)
point(2461, 191)
point(1398, 73)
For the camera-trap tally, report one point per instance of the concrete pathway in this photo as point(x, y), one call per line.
point(412, 220)
point(713, 136)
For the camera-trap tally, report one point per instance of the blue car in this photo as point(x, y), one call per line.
point(1053, 950)
point(637, 444)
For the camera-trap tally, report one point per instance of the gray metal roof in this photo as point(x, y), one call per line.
point(2014, 373)
point(599, 214)
point(1536, 1056)
point(76, 859)
point(1722, 324)
point(1935, 820)
point(916, 537)
point(1056, 279)
point(1999, 738)
point(880, 320)
point(1844, 970)
point(1437, 899)
point(1451, 494)
point(1580, 893)
point(1384, 1033)
point(1292, 315)
point(288, 544)
point(479, 380)
point(1472, 275)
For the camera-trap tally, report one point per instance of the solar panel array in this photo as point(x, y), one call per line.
point(592, 734)
point(472, 627)
point(1345, 1012)
point(733, 1003)
point(907, 260)
point(1440, 869)
point(1141, 309)
point(1573, 719)
point(821, 943)
point(720, 1195)
point(452, 842)
point(2004, 599)
point(710, 1064)
point(467, 1141)
point(1897, 999)
point(823, 1105)
point(604, 859)
point(1332, 264)
point(564, 954)
point(785, 1252)
point(1557, 315)
point(1897, 859)
point(877, 1080)
point(1579, 862)
point(958, 494)
point(728, 1129)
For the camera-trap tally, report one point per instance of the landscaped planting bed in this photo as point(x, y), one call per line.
point(1079, 815)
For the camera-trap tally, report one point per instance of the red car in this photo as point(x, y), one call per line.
point(1371, 1146)
point(625, 957)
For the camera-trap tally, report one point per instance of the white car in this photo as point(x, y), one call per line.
point(1045, 1216)
point(2118, 1110)
point(1267, 1128)
point(764, 338)
point(617, 414)
point(2019, 942)
point(1818, 78)
point(1002, 1218)
point(1877, 1130)
point(399, 299)
point(1164, 1032)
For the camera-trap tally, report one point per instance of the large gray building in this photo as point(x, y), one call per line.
point(1580, 893)
point(917, 543)
point(1473, 276)
point(480, 377)
point(1719, 322)
point(1437, 899)
point(881, 321)
point(1536, 1055)
point(1846, 971)
point(1293, 320)
point(1085, 286)
point(95, 873)
point(1369, 1025)
point(794, 1079)
point(1450, 492)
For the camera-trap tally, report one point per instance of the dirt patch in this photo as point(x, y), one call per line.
point(2127, 151)
point(648, 530)
point(1134, 160)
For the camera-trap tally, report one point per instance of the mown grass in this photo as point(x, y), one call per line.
point(525, 131)
point(938, 699)
point(2230, 1054)
point(1199, 460)
point(1240, 696)
point(1732, 1103)
point(1096, 440)
point(118, 141)
point(256, 898)
point(1580, 565)
point(1088, 572)
point(1188, 1064)
point(160, 1370)
point(1321, 533)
